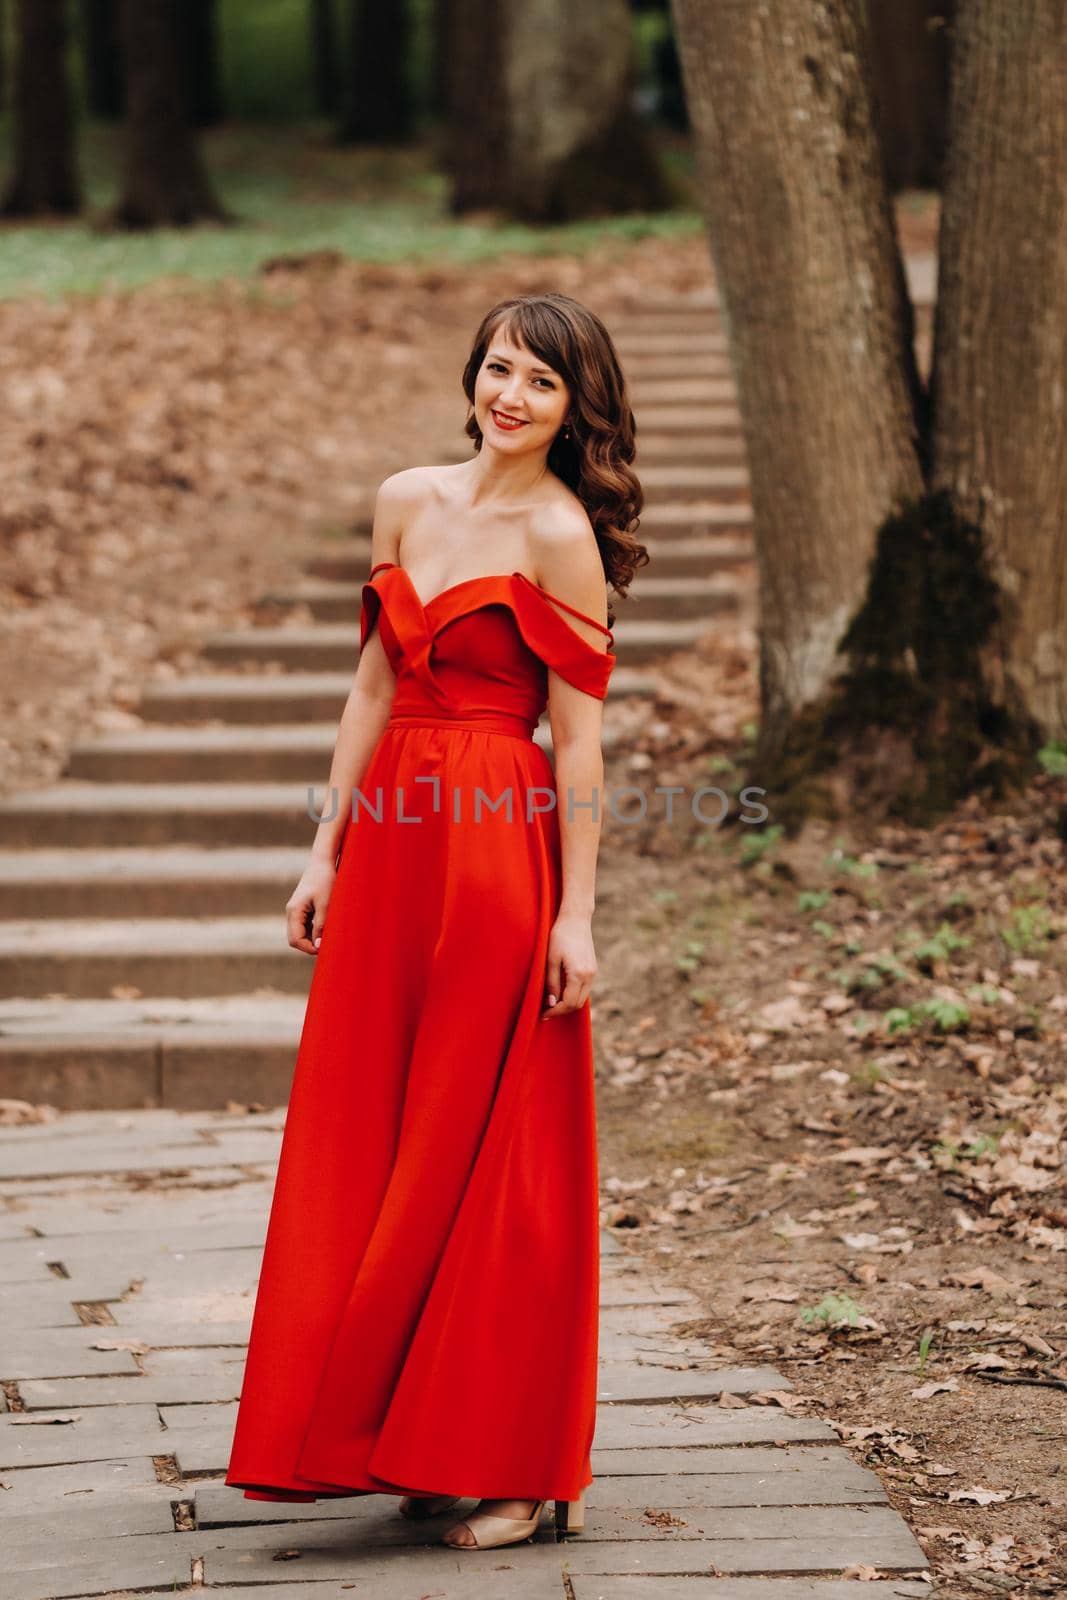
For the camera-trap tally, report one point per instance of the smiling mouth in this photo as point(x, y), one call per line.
point(502, 419)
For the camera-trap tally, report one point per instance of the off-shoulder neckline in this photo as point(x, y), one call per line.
point(488, 577)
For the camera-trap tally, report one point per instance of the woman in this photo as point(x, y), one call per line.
point(426, 1316)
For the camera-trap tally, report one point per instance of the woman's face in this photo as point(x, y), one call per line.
point(520, 404)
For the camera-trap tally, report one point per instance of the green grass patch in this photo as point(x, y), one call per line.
point(291, 191)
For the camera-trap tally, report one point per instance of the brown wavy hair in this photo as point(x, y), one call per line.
point(595, 460)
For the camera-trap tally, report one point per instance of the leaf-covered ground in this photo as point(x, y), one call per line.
point(833, 1103)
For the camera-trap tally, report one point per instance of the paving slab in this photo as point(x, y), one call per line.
point(703, 1588)
point(61, 1568)
point(177, 1389)
point(897, 1551)
point(41, 1439)
point(622, 1381)
point(637, 1426)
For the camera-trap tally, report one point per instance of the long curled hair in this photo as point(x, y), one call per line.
point(595, 459)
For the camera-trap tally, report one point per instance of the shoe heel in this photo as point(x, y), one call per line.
point(570, 1515)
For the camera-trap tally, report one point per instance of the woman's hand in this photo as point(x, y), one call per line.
point(305, 909)
point(571, 965)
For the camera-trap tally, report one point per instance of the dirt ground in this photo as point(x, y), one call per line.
point(833, 1067)
point(867, 1196)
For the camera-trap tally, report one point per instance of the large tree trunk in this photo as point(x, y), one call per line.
point(165, 180)
point(199, 20)
point(475, 130)
point(813, 296)
point(1001, 331)
point(377, 100)
point(44, 177)
point(909, 52)
point(557, 106)
point(102, 55)
point(325, 57)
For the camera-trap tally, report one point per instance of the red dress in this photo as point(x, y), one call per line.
point(426, 1315)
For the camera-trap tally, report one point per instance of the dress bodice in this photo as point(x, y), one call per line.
point(481, 647)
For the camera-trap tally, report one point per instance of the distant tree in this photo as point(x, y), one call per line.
point(541, 113)
point(165, 181)
point(377, 104)
point(325, 56)
point(102, 54)
point(3, 56)
point(475, 109)
point(44, 176)
point(909, 42)
point(199, 20)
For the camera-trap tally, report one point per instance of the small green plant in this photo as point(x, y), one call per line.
point(877, 971)
point(759, 843)
point(833, 1311)
point(986, 993)
point(812, 899)
point(939, 947)
point(691, 957)
point(825, 930)
point(839, 861)
point(1053, 757)
point(1030, 929)
point(719, 763)
point(868, 1074)
point(925, 1344)
point(947, 1014)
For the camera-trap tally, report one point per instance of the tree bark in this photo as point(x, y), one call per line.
point(325, 56)
point(44, 177)
point(1000, 364)
point(102, 55)
point(475, 131)
point(909, 54)
point(548, 84)
point(165, 180)
point(813, 297)
point(199, 20)
point(377, 100)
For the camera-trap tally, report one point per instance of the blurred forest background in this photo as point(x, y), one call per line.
point(335, 124)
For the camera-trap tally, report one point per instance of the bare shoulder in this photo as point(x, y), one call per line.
point(567, 563)
point(399, 499)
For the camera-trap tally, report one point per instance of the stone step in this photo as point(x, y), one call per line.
point(678, 419)
point(97, 958)
point(637, 342)
point(681, 481)
point(685, 449)
point(189, 1053)
point(87, 815)
point(327, 647)
point(665, 365)
point(159, 881)
point(691, 309)
point(288, 697)
point(661, 596)
point(662, 529)
point(334, 599)
point(668, 392)
point(294, 753)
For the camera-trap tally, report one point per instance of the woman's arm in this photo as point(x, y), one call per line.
point(364, 716)
point(570, 567)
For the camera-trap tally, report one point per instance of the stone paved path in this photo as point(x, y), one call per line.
point(129, 1250)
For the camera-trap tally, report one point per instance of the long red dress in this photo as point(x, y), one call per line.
point(426, 1315)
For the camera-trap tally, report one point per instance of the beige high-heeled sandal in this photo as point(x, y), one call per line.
point(490, 1532)
point(420, 1507)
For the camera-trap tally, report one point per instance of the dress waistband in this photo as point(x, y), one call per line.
point(511, 723)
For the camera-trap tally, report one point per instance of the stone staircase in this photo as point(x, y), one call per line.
point(143, 959)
